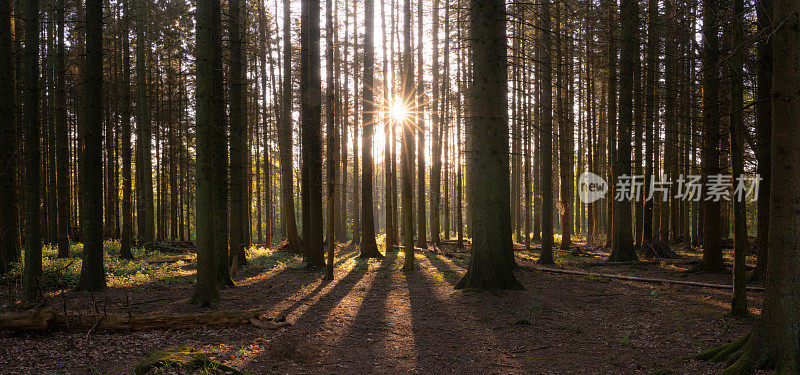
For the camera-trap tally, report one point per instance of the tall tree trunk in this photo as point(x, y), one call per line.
point(436, 139)
point(205, 293)
point(390, 192)
point(623, 236)
point(219, 149)
point(420, 110)
point(145, 213)
point(93, 276)
point(32, 271)
point(740, 240)
point(668, 205)
point(238, 136)
point(285, 140)
point(9, 221)
point(369, 248)
point(651, 118)
point(310, 114)
point(763, 132)
point(712, 250)
point(546, 133)
point(127, 215)
point(408, 143)
point(774, 343)
point(491, 257)
point(332, 149)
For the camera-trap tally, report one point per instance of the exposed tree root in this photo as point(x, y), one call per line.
point(746, 354)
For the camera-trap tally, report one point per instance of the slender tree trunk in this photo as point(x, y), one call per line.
point(408, 143)
point(369, 248)
point(651, 118)
point(285, 140)
point(332, 149)
point(420, 110)
point(740, 240)
point(546, 134)
point(763, 131)
point(127, 215)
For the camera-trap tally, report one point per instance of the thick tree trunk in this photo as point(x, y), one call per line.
point(9, 220)
point(93, 275)
point(239, 184)
point(712, 251)
point(774, 342)
point(145, 214)
point(491, 257)
point(310, 114)
point(623, 237)
point(205, 293)
point(32, 271)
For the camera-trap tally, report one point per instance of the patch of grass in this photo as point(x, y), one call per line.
point(185, 359)
point(64, 273)
point(624, 340)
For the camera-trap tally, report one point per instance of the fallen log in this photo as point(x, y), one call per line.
point(645, 279)
point(48, 318)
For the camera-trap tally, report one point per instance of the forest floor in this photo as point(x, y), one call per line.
point(373, 318)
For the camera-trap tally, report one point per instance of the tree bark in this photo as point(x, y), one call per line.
point(491, 257)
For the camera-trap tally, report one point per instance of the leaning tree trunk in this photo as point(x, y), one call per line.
point(491, 257)
point(774, 342)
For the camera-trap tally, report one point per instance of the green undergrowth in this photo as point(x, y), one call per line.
point(185, 360)
point(63, 273)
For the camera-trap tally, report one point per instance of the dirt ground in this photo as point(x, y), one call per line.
point(373, 318)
